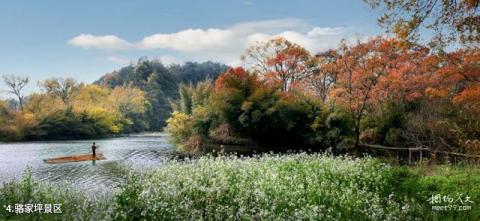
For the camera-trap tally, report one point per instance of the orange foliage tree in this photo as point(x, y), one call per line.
point(458, 77)
point(366, 74)
point(321, 82)
point(371, 72)
point(232, 78)
point(456, 84)
point(280, 61)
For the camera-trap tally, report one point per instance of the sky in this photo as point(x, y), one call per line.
point(86, 39)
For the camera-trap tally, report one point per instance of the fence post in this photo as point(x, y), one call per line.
point(409, 156)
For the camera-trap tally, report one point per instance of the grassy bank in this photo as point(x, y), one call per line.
point(74, 204)
point(268, 187)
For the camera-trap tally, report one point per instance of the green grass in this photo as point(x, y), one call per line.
point(267, 187)
point(74, 204)
point(445, 180)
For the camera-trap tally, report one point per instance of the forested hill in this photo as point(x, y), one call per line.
point(160, 84)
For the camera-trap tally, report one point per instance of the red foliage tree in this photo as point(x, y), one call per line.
point(371, 72)
point(282, 62)
point(458, 77)
point(233, 78)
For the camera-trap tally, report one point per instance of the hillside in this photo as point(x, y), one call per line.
point(160, 84)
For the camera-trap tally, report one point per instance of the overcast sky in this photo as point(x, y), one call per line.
point(86, 39)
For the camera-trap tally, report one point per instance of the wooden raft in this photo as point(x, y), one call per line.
point(75, 158)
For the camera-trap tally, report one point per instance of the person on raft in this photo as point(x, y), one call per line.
point(94, 147)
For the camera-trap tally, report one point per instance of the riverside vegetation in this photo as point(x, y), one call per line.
point(133, 99)
point(372, 92)
point(263, 187)
point(391, 91)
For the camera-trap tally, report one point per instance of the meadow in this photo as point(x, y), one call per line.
point(265, 187)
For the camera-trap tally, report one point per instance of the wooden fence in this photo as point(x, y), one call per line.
point(412, 155)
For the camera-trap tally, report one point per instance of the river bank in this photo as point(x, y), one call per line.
point(266, 187)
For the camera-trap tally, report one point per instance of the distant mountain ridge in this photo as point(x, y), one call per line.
point(160, 84)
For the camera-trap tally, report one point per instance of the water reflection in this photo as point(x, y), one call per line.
point(136, 151)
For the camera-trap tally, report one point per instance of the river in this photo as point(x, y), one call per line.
point(136, 151)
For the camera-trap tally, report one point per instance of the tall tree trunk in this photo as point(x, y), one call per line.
point(20, 101)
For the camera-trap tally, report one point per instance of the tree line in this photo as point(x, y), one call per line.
point(376, 91)
point(135, 98)
point(409, 89)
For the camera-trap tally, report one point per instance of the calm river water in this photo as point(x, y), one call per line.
point(135, 151)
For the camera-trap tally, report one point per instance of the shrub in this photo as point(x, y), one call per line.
point(179, 127)
point(394, 137)
point(339, 131)
point(370, 135)
point(67, 124)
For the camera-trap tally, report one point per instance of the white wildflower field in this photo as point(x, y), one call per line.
point(269, 187)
